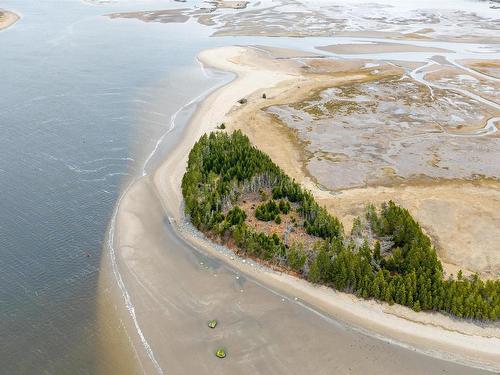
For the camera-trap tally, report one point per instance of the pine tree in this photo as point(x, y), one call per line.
point(222, 167)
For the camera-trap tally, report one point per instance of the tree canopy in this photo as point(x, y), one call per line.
point(222, 167)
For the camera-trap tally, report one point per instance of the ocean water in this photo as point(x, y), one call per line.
point(80, 111)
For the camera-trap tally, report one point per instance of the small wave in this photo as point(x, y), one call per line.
point(172, 125)
point(128, 301)
point(107, 159)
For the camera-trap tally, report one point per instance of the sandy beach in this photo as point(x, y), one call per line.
point(103, 100)
point(428, 330)
point(7, 18)
point(163, 303)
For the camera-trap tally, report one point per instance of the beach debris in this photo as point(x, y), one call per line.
point(221, 126)
point(212, 323)
point(220, 353)
point(242, 101)
point(264, 96)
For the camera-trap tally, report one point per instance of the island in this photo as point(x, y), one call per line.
point(7, 18)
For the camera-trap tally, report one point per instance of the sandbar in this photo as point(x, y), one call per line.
point(7, 19)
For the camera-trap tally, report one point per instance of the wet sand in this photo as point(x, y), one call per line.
point(7, 19)
point(362, 48)
point(117, 354)
point(175, 282)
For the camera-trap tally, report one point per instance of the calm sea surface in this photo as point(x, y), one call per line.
point(83, 100)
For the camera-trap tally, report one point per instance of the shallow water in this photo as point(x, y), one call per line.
point(83, 104)
point(79, 113)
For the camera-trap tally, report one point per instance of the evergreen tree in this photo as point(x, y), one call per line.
point(222, 167)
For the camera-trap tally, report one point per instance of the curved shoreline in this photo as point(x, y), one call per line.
point(434, 331)
point(7, 19)
point(433, 334)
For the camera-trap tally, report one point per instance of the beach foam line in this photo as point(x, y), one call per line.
point(116, 272)
point(126, 296)
point(203, 68)
point(174, 117)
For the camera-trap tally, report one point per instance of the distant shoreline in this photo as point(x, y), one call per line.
point(7, 19)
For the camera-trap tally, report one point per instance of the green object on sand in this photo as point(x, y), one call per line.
point(220, 353)
point(212, 323)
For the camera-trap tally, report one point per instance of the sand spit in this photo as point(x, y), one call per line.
point(7, 19)
point(458, 339)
